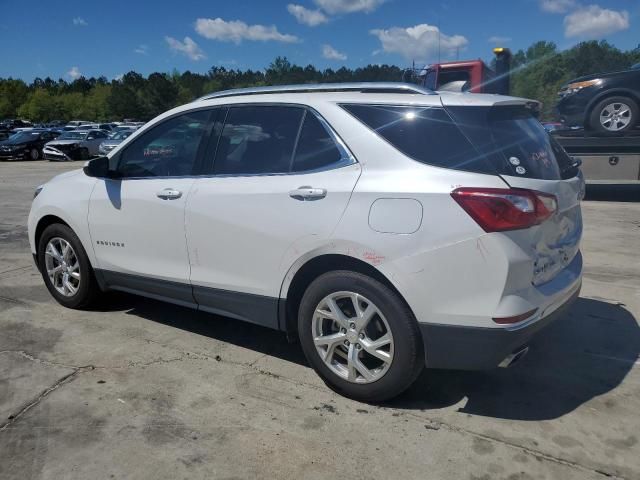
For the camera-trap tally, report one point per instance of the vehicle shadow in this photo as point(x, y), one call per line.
point(613, 192)
point(583, 355)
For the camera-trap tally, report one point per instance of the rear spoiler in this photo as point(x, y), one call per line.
point(533, 105)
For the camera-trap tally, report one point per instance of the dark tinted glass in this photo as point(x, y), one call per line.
point(514, 141)
point(316, 148)
point(427, 135)
point(257, 139)
point(169, 149)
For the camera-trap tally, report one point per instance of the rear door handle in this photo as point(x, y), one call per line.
point(308, 193)
point(169, 194)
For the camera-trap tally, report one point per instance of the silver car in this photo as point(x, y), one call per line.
point(114, 140)
point(75, 145)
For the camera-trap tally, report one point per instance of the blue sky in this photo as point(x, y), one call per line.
point(92, 38)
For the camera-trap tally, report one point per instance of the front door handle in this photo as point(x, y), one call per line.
point(169, 194)
point(308, 193)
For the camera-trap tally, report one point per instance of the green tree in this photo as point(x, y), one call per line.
point(13, 93)
point(41, 106)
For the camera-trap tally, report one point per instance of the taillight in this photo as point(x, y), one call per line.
point(500, 209)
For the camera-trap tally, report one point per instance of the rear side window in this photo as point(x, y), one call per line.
point(257, 140)
point(426, 134)
point(316, 148)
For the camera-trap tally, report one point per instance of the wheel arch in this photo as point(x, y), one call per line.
point(293, 290)
point(43, 223)
point(615, 92)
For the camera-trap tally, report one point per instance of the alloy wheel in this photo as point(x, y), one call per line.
point(352, 337)
point(63, 266)
point(615, 116)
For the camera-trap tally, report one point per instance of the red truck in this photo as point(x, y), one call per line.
point(469, 75)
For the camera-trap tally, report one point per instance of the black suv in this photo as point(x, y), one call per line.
point(607, 103)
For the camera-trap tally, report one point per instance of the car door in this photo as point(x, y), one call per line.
point(136, 221)
point(280, 182)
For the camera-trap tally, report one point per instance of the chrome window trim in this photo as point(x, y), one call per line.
point(347, 156)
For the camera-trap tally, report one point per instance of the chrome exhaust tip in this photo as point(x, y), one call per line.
point(513, 357)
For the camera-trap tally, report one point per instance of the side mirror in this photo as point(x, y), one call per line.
point(99, 168)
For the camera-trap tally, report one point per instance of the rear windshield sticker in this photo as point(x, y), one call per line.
point(514, 161)
point(521, 170)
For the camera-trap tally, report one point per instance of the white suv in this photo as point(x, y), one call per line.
point(387, 226)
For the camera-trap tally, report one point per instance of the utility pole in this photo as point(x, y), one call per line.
point(438, 38)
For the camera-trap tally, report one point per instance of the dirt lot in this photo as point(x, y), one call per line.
point(142, 389)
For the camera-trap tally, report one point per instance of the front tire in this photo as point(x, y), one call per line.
point(359, 336)
point(614, 115)
point(65, 267)
point(34, 154)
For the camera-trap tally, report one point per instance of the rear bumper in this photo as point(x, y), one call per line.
point(476, 348)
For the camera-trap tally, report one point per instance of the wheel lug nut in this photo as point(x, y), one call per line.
point(358, 346)
point(361, 336)
point(343, 330)
point(346, 343)
point(352, 326)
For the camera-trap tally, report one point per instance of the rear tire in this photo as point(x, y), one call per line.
point(72, 282)
point(372, 360)
point(614, 115)
point(34, 154)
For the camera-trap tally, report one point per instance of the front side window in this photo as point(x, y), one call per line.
point(257, 140)
point(168, 149)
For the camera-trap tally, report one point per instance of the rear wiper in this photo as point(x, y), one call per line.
point(575, 163)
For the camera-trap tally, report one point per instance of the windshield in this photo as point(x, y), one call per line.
point(22, 137)
point(121, 135)
point(73, 135)
point(430, 78)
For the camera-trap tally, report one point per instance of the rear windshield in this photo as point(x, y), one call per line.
point(426, 134)
point(493, 140)
point(514, 141)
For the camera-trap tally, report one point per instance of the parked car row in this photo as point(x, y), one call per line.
point(57, 144)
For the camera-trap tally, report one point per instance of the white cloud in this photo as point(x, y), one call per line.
point(499, 40)
point(420, 42)
point(306, 16)
point(236, 31)
point(80, 22)
point(119, 77)
point(74, 73)
point(332, 54)
point(594, 22)
point(334, 7)
point(557, 6)
point(142, 49)
point(188, 48)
